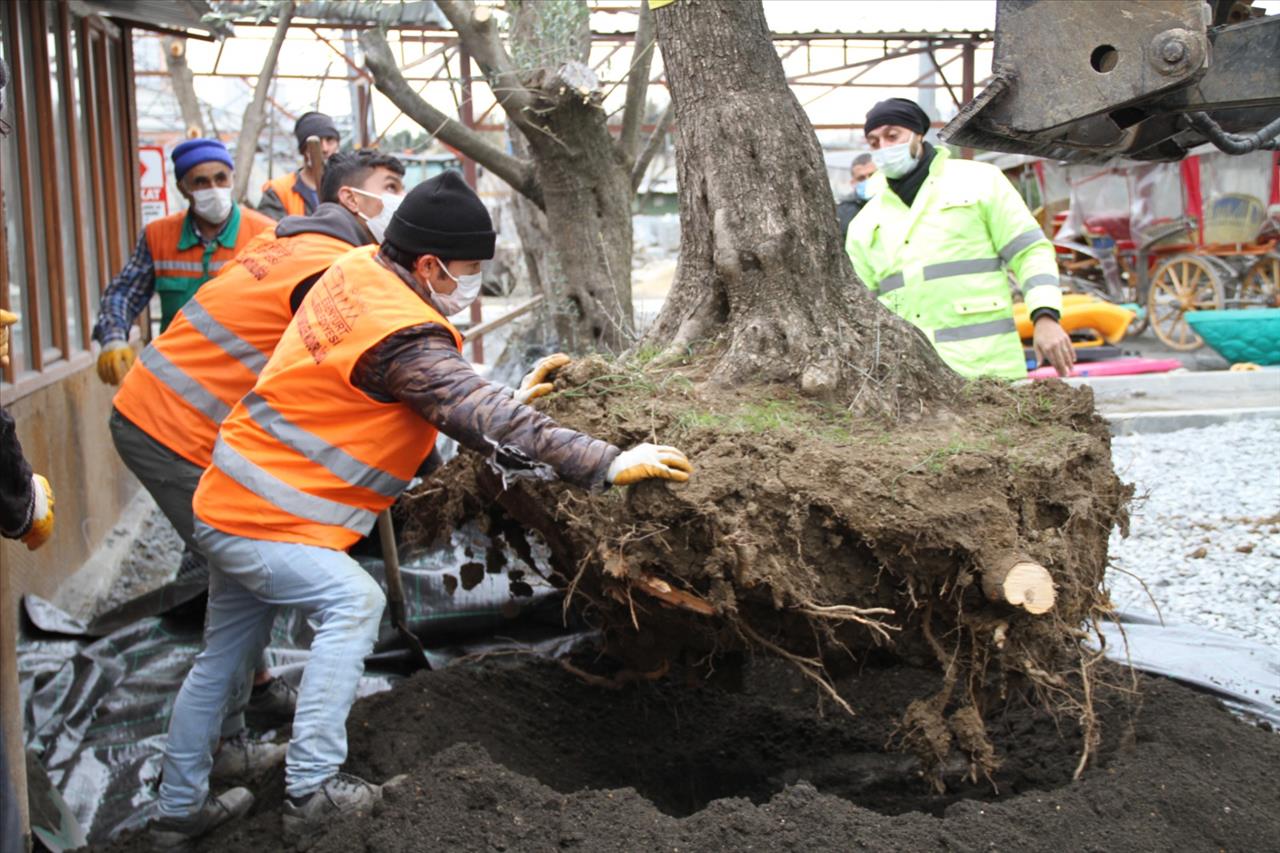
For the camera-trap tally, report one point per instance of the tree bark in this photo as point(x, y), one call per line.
point(575, 171)
point(761, 271)
point(255, 113)
point(184, 88)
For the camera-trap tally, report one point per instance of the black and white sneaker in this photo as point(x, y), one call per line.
point(340, 794)
point(240, 759)
point(172, 834)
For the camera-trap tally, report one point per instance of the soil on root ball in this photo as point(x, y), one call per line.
point(822, 538)
point(517, 754)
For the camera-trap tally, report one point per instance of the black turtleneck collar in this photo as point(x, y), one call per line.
point(909, 184)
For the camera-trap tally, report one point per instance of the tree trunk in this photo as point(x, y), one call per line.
point(255, 113)
point(586, 185)
point(761, 268)
point(573, 169)
point(184, 89)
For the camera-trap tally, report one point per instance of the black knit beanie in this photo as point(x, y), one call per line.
point(444, 217)
point(314, 124)
point(899, 112)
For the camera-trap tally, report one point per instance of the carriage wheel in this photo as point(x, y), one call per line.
point(1181, 284)
point(1260, 284)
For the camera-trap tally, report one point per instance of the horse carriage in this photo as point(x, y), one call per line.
point(1171, 238)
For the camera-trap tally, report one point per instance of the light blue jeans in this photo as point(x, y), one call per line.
point(248, 580)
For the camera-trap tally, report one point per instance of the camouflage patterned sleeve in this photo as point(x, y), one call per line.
point(422, 368)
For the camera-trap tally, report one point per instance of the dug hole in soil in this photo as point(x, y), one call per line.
point(800, 651)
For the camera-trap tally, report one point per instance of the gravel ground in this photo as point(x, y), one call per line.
point(1205, 533)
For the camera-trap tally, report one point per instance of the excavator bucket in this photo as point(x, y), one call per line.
point(1090, 80)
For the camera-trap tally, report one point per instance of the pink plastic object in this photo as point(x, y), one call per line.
point(1115, 367)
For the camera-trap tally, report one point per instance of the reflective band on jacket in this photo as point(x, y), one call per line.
point(269, 487)
point(966, 267)
point(975, 330)
point(1039, 280)
point(1024, 240)
point(187, 266)
point(227, 340)
point(184, 386)
point(891, 282)
point(341, 464)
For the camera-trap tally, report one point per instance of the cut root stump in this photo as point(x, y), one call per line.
point(1021, 582)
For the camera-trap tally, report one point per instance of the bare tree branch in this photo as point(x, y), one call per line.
point(651, 147)
point(390, 82)
point(637, 85)
point(478, 32)
point(184, 89)
point(255, 112)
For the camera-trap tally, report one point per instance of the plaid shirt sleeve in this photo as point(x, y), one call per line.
point(126, 296)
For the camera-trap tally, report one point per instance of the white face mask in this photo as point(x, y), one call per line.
point(213, 205)
point(378, 224)
point(468, 288)
point(895, 160)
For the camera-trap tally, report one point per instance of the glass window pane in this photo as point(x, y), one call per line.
point(14, 218)
point(66, 192)
point(37, 277)
point(92, 273)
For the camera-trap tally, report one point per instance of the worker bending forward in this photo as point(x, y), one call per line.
point(165, 417)
point(341, 418)
point(935, 241)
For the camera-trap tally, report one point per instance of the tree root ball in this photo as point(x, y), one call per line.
point(824, 538)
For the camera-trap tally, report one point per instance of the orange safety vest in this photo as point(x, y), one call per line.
point(293, 201)
point(188, 378)
point(306, 456)
point(183, 263)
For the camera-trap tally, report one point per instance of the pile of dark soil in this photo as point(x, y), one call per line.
point(516, 754)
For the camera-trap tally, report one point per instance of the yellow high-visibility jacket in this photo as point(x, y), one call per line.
point(941, 264)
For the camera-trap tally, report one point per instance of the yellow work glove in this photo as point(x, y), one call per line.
point(535, 384)
point(7, 319)
point(114, 361)
point(647, 462)
point(42, 515)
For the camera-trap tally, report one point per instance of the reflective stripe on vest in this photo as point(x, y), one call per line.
point(270, 488)
point(341, 464)
point(946, 269)
point(1024, 240)
point(184, 386)
point(226, 340)
point(975, 330)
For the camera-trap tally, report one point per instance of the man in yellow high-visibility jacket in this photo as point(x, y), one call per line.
point(934, 244)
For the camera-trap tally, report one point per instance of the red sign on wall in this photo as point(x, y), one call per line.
point(153, 182)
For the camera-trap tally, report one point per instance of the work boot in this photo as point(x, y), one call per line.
point(240, 759)
point(272, 704)
point(168, 833)
point(340, 794)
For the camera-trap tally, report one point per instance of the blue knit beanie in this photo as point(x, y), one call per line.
point(193, 152)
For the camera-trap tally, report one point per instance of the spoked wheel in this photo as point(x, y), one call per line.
point(1181, 284)
point(1260, 284)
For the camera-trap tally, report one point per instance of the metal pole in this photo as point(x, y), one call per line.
point(966, 85)
point(467, 114)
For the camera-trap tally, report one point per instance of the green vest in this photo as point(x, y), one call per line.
point(183, 263)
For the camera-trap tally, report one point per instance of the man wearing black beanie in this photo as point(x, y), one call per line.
point(937, 243)
point(343, 415)
point(295, 194)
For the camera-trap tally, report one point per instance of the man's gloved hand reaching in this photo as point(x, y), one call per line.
point(114, 361)
point(647, 462)
point(41, 514)
point(7, 319)
point(535, 383)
